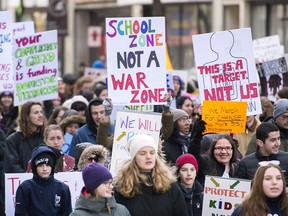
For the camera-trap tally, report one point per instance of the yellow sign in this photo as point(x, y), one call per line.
point(224, 116)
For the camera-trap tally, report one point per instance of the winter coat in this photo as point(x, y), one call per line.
point(193, 198)
point(86, 207)
point(149, 203)
point(38, 196)
point(19, 150)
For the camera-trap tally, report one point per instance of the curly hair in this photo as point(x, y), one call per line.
point(129, 178)
point(25, 122)
point(255, 203)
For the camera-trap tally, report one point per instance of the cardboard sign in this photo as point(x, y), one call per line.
point(226, 68)
point(36, 67)
point(23, 28)
point(13, 180)
point(129, 124)
point(224, 116)
point(223, 195)
point(136, 63)
point(6, 63)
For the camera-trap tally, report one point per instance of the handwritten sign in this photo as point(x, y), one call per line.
point(36, 67)
point(136, 60)
point(13, 180)
point(23, 28)
point(6, 70)
point(226, 68)
point(223, 195)
point(129, 124)
point(224, 116)
point(95, 72)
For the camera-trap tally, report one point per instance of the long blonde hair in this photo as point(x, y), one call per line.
point(129, 179)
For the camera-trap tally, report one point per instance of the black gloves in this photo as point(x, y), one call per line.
point(198, 128)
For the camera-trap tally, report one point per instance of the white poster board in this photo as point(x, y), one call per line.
point(136, 61)
point(6, 63)
point(226, 68)
point(95, 72)
point(94, 36)
point(13, 180)
point(23, 28)
point(129, 124)
point(36, 67)
point(223, 195)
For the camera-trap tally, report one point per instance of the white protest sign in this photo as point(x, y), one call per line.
point(36, 67)
point(94, 36)
point(6, 62)
point(223, 195)
point(129, 124)
point(95, 72)
point(136, 62)
point(23, 28)
point(13, 180)
point(226, 68)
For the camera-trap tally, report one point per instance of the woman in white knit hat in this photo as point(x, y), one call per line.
point(145, 184)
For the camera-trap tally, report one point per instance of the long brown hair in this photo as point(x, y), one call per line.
point(256, 204)
point(25, 122)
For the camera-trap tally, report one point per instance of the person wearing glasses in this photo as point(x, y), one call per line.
point(268, 148)
point(96, 196)
point(146, 185)
point(268, 194)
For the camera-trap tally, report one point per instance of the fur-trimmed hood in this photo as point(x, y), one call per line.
point(74, 119)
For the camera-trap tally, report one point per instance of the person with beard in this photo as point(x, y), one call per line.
point(98, 128)
point(20, 144)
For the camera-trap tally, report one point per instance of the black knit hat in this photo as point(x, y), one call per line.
point(45, 158)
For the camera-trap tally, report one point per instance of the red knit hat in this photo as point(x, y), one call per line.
point(187, 158)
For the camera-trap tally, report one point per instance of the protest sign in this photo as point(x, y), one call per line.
point(129, 124)
point(22, 28)
point(223, 195)
point(226, 68)
point(36, 67)
point(136, 63)
point(95, 72)
point(13, 180)
point(224, 116)
point(6, 68)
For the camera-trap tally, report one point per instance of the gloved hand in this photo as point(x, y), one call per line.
point(168, 99)
point(199, 128)
point(108, 106)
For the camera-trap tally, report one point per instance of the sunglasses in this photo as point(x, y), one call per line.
point(266, 163)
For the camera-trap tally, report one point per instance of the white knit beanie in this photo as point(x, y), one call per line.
point(139, 141)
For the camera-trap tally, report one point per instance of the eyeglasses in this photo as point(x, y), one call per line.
point(266, 163)
point(90, 159)
point(108, 183)
point(284, 117)
point(185, 120)
point(219, 149)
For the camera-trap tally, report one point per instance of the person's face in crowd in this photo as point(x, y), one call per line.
point(86, 87)
point(249, 120)
point(61, 87)
point(187, 175)
point(36, 116)
point(56, 102)
point(195, 114)
point(72, 128)
point(146, 158)
point(6, 101)
point(59, 116)
point(55, 139)
point(44, 171)
point(187, 107)
point(223, 151)
point(272, 183)
point(104, 94)
point(176, 86)
point(271, 144)
point(282, 120)
point(184, 125)
point(81, 112)
point(97, 113)
point(104, 190)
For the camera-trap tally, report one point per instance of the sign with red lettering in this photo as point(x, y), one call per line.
point(36, 67)
point(6, 70)
point(94, 36)
point(136, 63)
point(223, 195)
point(226, 68)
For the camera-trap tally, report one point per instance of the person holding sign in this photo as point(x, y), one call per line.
point(268, 194)
point(96, 197)
point(43, 195)
point(187, 168)
point(146, 184)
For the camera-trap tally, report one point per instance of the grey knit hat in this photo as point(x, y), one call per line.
point(280, 107)
point(178, 113)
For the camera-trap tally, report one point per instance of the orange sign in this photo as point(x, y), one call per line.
point(224, 116)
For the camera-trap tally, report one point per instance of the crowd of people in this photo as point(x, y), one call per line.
point(165, 178)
